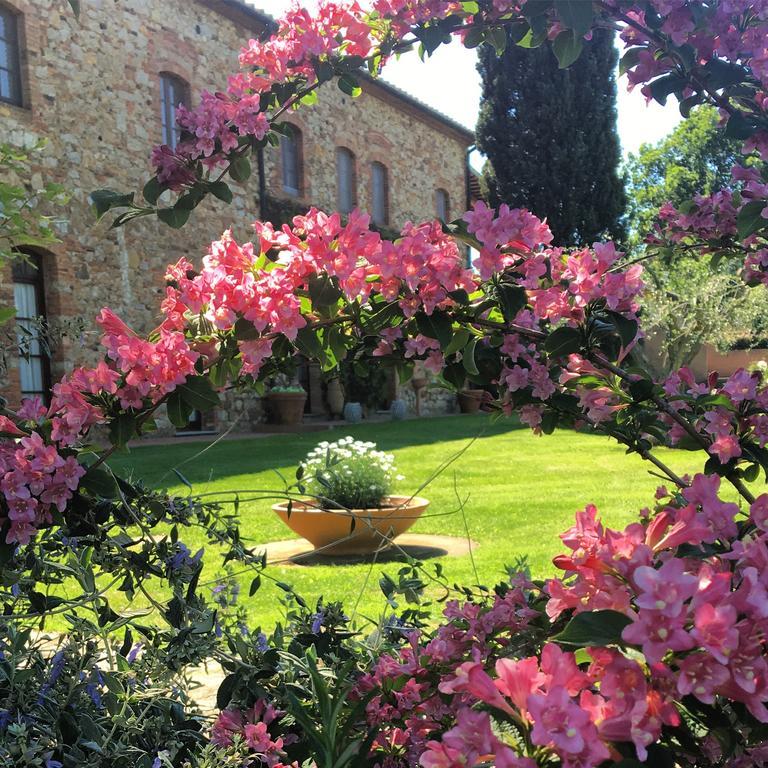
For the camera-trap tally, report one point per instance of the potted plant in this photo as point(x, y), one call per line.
point(286, 403)
point(470, 400)
point(351, 509)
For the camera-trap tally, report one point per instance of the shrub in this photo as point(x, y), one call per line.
point(349, 474)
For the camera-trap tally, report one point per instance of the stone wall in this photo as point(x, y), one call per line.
point(92, 89)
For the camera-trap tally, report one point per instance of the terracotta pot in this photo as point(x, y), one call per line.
point(332, 532)
point(335, 397)
point(470, 399)
point(287, 407)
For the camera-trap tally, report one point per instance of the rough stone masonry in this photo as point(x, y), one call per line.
point(91, 86)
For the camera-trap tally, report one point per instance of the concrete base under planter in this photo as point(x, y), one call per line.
point(418, 545)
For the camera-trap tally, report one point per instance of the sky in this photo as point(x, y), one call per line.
point(449, 82)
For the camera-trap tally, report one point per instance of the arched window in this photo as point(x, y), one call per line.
point(291, 155)
point(10, 57)
point(29, 300)
point(173, 91)
point(442, 205)
point(379, 194)
point(345, 180)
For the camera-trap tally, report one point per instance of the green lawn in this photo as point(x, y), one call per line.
point(519, 490)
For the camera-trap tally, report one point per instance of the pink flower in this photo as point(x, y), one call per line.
point(715, 630)
point(664, 589)
point(559, 721)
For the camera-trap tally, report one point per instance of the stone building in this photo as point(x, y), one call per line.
point(102, 88)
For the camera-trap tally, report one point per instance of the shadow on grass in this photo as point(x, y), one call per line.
point(400, 554)
point(200, 462)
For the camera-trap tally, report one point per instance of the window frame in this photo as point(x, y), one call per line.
point(34, 276)
point(441, 194)
point(13, 44)
point(382, 221)
point(296, 141)
point(346, 152)
point(170, 131)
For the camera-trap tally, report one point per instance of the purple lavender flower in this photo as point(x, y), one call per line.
point(134, 652)
point(184, 558)
point(57, 667)
point(317, 622)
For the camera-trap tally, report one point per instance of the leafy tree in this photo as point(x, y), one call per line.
point(550, 137)
point(696, 157)
point(689, 303)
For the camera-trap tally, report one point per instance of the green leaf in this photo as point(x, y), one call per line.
point(178, 410)
point(630, 59)
point(309, 344)
point(739, 127)
point(626, 328)
point(750, 218)
point(567, 47)
point(459, 341)
point(512, 298)
point(350, 86)
point(468, 358)
point(255, 584)
point(99, 482)
point(198, 393)
point(662, 87)
point(751, 473)
point(103, 200)
point(719, 73)
point(563, 341)
point(474, 36)
point(687, 104)
point(221, 190)
point(498, 38)
point(438, 326)
point(122, 429)
point(245, 330)
point(174, 217)
point(6, 314)
point(455, 375)
point(75, 5)
point(323, 292)
point(641, 390)
point(323, 70)
point(152, 190)
point(240, 169)
point(598, 628)
point(575, 15)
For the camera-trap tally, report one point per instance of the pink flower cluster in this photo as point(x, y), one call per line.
point(35, 479)
point(239, 283)
point(694, 593)
point(570, 713)
point(734, 414)
point(700, 621)
point(145, 370)
point(253, 726)
point(409, 706)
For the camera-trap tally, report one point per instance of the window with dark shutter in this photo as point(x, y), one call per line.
point(442, 205)
point(29, 300)
point(380, 194)
point(173, 91)
point(345, 180)
point(10, 57)
point(291, 155)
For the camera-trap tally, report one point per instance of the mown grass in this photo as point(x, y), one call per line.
point(510, 491)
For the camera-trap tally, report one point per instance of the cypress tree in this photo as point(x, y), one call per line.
point(550, 137)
